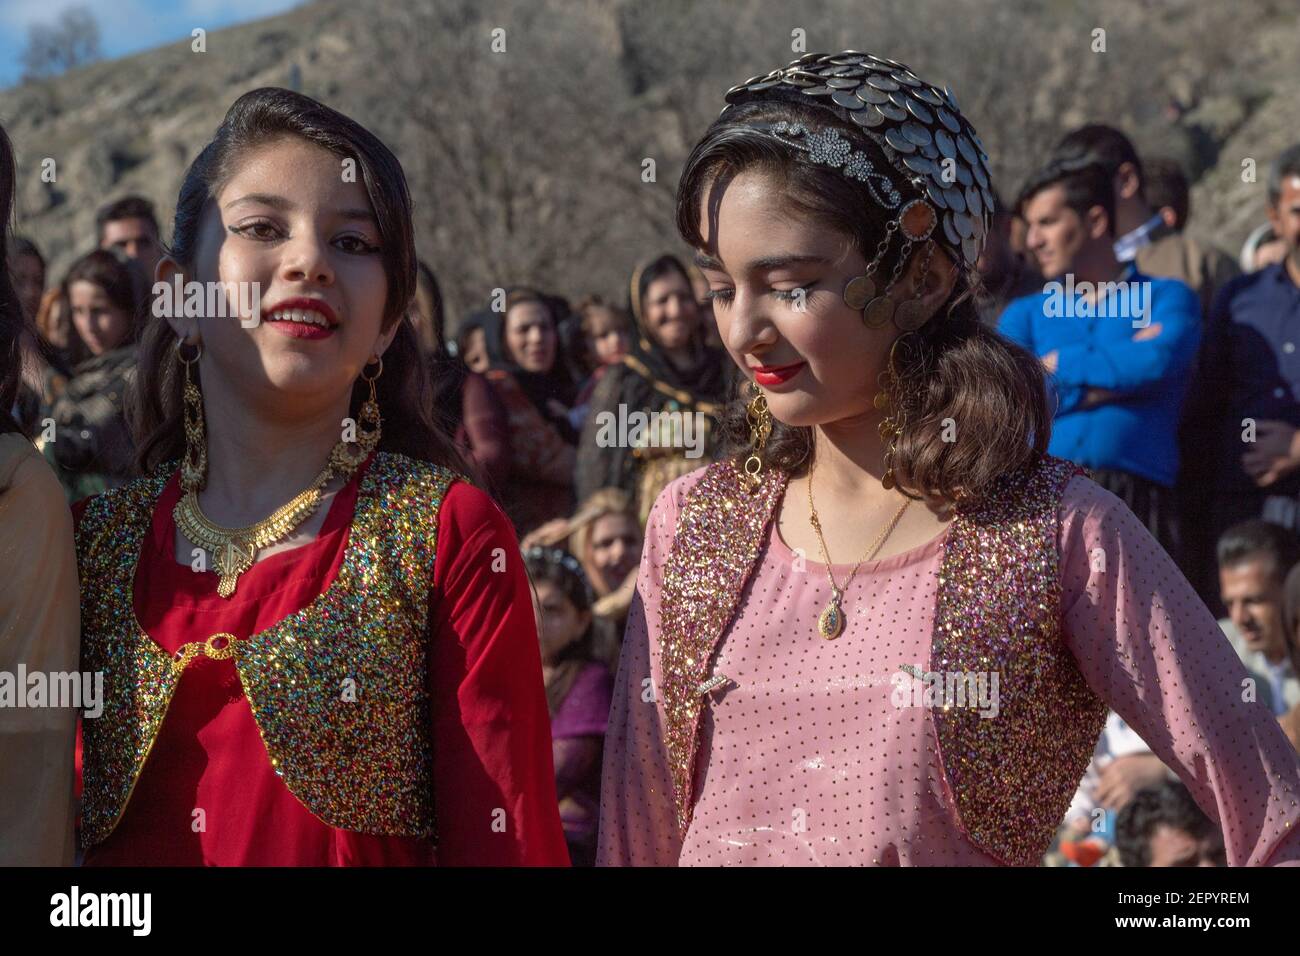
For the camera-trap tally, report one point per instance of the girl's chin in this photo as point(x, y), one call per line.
point(798, 409)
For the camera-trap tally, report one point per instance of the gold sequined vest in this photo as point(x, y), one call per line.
point(338, 689)
point(1011, 777)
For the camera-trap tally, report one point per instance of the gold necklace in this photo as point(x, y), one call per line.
point(234, 550)
point(830, 623)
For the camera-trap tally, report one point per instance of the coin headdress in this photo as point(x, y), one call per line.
point(941, 191)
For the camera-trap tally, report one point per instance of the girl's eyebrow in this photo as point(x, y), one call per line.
point(261, 199)
point(762, 264)
point(283, 204)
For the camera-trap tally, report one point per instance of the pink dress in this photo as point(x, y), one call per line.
point(805, 759)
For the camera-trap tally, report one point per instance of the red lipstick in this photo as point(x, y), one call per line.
point(776, 374)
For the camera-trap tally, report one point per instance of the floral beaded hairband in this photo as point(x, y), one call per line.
point(921, 134)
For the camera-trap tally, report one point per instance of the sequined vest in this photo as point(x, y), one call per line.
point(1010, 777)
point(338, 689)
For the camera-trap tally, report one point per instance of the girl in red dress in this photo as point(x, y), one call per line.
point(317, 636)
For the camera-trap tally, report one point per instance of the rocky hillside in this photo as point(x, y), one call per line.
point(527, 161)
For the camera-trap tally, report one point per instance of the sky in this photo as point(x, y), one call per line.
point(126, 26)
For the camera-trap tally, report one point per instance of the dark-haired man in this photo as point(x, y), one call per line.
point(1254, 559)
point(1163, 826)
point(128, 227)
point(1162, 249)
point(1118, 343)
point(1143, 236)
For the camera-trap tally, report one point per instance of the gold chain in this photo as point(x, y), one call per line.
point(235, 549)
point(831, 620)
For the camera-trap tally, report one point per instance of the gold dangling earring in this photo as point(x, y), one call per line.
point(348, 455)
point(760, 427)
point(194, 466)
point(888, 400)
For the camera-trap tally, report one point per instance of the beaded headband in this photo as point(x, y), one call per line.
point(558, 556)
point(923, 137)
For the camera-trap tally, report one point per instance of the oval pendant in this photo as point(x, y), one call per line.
point(831, 621)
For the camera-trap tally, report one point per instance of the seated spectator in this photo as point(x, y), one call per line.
point(1255, 558)
point(1119, 345)
point(579, 691)
point(1163, 826)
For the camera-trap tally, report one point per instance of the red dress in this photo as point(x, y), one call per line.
point(208, 794)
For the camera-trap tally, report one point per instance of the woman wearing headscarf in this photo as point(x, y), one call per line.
point(537, 392)
point(626, 441)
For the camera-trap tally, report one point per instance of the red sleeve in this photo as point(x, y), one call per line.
point(494, 781)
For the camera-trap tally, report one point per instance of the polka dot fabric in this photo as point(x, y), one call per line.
point(805, 759)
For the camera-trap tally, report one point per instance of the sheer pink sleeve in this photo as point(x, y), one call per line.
point(1148, 646)
point(636, 800)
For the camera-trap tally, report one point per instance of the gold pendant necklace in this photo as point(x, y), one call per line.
point(234, 550)
point(830, 622)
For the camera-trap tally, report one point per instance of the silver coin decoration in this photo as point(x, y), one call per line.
point(916, 133)
point(919, 127)
point(879, 311)
point(847, 100)
point(896, 138)
point(919, 110)
point(910, 316)
point(859, 292)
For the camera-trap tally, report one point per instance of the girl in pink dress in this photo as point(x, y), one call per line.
point(886, 628)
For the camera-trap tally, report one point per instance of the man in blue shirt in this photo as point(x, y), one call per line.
point(1119, 345)
point(1252, 366)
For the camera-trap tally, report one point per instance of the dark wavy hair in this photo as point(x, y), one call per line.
point(405, 393)
point(955, 367)
point(118, 280)
point(13, 324)
point(1169, 804)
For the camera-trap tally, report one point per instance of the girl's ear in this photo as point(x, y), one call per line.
point(169, 299)
point(385, 339)
point(938, 281)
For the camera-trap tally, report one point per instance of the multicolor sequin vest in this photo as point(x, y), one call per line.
point(338, 690)
point(1011, 777)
